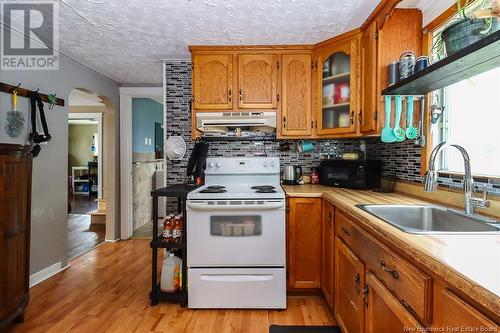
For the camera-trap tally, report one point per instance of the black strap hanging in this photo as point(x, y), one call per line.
point(34, 137)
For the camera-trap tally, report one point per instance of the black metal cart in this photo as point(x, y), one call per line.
point(180, 192)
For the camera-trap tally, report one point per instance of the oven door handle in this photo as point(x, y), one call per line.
point(228, 207)
point(236, 277)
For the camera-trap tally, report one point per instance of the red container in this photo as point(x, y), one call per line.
point(342, 93)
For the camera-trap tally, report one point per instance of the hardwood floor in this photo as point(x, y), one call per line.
point(82, 235)
point(106, 290)
point(81, 203)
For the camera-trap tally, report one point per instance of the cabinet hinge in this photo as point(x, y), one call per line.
point(312, 64)
point(316, 123)
point(278, 64)
point(376, 34)
point(192, 65)
point(316, 64)
point(312, 124)
point(375, 115)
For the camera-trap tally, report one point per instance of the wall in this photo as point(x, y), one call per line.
point(79, 143)
point(178, 119)
point(145, 112)
point(49, 231)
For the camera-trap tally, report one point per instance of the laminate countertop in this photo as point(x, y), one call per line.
point(470, 263)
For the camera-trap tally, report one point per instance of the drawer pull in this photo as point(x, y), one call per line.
point(357, 280)
point(345, 231)
point(393, 271)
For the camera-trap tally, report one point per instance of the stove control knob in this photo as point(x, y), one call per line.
point(264, 164)
point(272, 164)
point(217, 165)
point(211, 164)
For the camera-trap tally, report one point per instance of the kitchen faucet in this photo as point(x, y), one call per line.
point(470, 202)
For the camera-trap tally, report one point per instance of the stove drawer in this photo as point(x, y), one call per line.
point(235, 238)
point(220, 288)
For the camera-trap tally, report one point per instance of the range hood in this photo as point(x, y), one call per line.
point(236, 124)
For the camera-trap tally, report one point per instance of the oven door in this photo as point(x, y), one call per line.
point(235, 233)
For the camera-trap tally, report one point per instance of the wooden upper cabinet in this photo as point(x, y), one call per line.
point(368, 114)
point(384, 312)
point(213, 81)
point(257, 81)
point(296, 106)
point(338, 87)
point(328, 245)
point(304, 243)
point(349, 283)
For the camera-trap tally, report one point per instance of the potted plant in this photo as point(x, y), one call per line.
point(474, 22)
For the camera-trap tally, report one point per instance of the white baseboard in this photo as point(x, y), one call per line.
point(112, 240)
point(46, 273)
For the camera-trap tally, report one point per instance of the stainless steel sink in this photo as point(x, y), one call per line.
point(428, 219)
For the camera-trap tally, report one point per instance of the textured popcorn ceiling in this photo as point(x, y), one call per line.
point(128, 39)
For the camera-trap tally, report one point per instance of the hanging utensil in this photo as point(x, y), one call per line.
point(411, 131)
point(421, 139)
point(399, 133)
point(387, 134)
point(15, 119)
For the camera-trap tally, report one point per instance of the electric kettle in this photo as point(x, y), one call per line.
point(292, 174)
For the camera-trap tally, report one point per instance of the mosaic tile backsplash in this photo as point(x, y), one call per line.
point(399, 159)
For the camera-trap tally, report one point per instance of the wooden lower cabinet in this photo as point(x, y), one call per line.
point(328, 255)
point(349, 282)
point(304, 243)
point(450, 311)
point(384, 312)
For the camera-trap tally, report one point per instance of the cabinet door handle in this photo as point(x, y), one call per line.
point(360, 118)
point(241, 94)
point(352, 117)
point(284, 122)
point(357, 280)
point(345, 231)
point(394, 273)
point(366, 291)
point(229, 94)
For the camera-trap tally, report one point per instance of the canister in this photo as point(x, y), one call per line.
point(406, 65)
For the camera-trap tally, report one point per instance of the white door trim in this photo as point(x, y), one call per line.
point(126, 95)
point(98, 117)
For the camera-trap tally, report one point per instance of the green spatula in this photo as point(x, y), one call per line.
point(411, 131)
point(399, 133)
point(387, 134)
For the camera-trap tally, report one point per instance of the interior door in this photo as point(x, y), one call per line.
point(213, 81)
point(296, 112)
point(338, 88)
point(257, 81)
point(384, 312)
point(349, 282)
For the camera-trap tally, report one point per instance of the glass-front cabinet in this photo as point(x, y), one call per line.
point(338, 91)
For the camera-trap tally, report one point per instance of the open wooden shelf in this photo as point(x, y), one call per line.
point(470, 61)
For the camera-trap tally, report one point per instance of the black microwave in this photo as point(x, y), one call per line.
point(357, 174)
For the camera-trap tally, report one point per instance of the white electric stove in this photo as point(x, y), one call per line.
point(236, 236)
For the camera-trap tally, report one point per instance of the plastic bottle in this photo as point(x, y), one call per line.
point(177, 229)
point(170, 279)
point(168, 225)
point(315, 176)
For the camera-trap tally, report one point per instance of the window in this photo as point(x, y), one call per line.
point(468, 114)
point(470, 118)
